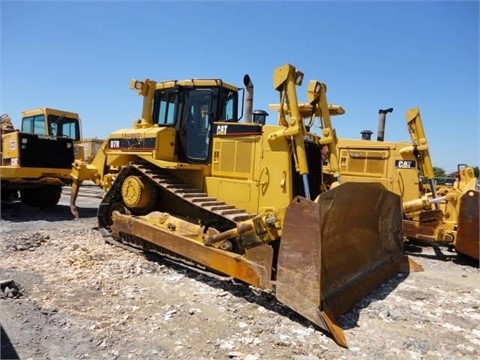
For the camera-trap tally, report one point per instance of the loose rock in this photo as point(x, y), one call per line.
point(81, 298)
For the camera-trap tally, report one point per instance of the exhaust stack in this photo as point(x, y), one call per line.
point(248, 98)
point(382, 116)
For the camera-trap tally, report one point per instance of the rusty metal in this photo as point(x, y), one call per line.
point(241, 229)
point(252, 268)
point(75, 187)
point(467, 241)
point(429, 227)
point(339, 253)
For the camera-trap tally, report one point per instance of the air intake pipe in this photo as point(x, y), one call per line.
point(366, 135)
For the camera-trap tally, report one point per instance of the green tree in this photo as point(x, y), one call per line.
point(476, 171)
point(439, 172)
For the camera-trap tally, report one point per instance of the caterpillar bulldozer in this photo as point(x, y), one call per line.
point(440, 215)
point(37, 159)
point(450, 214)
point(244, 199)
point(55, 122)
point(35, 165)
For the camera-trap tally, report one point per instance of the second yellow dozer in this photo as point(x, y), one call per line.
point(439, 215)
point(34, 165)
point(244, 199)
point(36, 161)
point(61, 123)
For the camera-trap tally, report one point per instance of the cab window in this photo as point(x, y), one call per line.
point(164, 108)
point(229, 106)
point(64, 126)
point(34, 124)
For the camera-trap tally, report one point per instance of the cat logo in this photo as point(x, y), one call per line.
point(222, 130)
point(405, 164)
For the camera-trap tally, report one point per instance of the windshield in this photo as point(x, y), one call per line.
point(64, 126)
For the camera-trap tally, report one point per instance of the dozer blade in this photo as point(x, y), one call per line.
point(335, 251)
point(467, 241)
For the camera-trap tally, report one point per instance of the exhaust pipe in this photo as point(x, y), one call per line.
point(382, 116)
point(248, 98)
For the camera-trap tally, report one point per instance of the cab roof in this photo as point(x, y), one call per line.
point(48, 111)
point(167, 84)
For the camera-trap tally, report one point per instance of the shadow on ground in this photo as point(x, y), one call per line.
point(18, 212)
point(7, 350)
point(417, 249)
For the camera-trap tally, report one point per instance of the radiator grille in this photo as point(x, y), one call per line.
point(45, 151)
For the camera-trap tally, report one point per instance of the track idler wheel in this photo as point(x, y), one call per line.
point(137, 193)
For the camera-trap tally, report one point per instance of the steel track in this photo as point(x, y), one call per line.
point(196, 206)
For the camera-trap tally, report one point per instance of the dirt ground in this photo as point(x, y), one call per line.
point(66, 294)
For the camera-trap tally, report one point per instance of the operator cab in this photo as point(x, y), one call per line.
point(191, 107)
point(51, 122)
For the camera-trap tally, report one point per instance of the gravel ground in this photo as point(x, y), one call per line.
point(65, 294)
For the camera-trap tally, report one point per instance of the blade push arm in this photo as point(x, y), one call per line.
point(285, 78)
point(146, 89)
point(420, 144)
point(316, 94)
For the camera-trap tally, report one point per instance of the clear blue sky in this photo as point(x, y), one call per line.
point(80, 56)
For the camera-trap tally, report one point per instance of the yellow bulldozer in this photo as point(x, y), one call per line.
point(55, 122)
point(440, 215)
point(244, 199)
point(36, 165)
point(446, 214)
point(36, 161)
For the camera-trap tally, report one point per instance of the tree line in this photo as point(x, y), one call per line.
point(440, 173)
